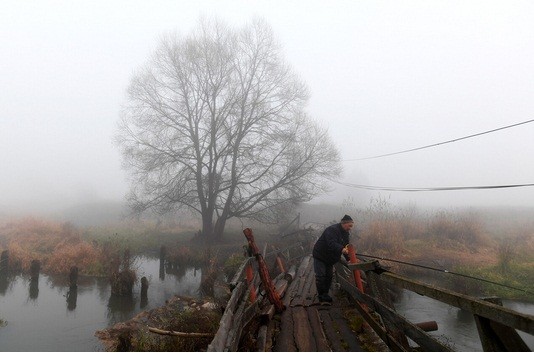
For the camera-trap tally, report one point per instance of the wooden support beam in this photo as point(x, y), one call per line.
point(505, 316)
point(363, 266)
point(427, 342)
point(496, 337)
point(372, 321)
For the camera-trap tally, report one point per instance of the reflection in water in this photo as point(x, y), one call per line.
point(162, 270)
point(177, 271)
point(4, 283)
point(72, 298)
point(88, 309)
point(34, 288)
point(120, 308)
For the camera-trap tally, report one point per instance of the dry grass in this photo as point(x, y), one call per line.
point(58, 246)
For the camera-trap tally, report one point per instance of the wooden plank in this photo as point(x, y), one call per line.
point(303, 278)
point(505, 316)
point(234, 335)
point(302, 331)
point(315, 322)
point(309, 289)
point(219, 341)
point(270, 333)
point(330, 333)
point(285, 341)
point(346, 333)
point(291, 292)
point(240, 273)
point(261, 341)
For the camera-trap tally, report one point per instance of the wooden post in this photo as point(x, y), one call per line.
point(35, 268)
point(144, 292)
point(250, 282)
point(162, 253)
point(280, 264)
point(72, 298)
point(354, 260)
point(273, 297)
point(73, 277)
point(4, 261)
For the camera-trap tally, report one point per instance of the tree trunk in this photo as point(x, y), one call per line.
point(207, 226)
point(219, 228)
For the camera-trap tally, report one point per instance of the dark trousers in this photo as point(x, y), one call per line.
point(323, 277)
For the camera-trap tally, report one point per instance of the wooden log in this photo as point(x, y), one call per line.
point(290, 274)
point(281, 288)
point(179, 334)
point(428, 326)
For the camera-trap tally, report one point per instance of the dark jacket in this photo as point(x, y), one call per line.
point(330, 244)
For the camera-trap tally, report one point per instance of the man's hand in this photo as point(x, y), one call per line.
point(345, 250)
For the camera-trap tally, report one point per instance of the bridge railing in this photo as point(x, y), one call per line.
point(496, 325)
point(248, 301)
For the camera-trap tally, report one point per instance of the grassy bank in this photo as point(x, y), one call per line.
point(458, 241)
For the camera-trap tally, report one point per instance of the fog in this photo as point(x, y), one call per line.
point(384, 76)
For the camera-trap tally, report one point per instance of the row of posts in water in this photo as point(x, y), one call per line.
point(72, 294)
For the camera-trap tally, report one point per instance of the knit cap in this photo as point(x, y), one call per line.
point(346, 219)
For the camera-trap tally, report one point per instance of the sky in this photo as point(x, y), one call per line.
point(384, 76)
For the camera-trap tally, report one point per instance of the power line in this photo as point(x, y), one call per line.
point(440, 143)
point(446, 271)
point(448, 188)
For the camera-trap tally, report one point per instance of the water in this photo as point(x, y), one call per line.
point(39, 318)
point(456, 327)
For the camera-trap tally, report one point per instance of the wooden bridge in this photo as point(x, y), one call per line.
point(284, 314)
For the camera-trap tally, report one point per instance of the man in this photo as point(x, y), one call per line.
point(327, 251)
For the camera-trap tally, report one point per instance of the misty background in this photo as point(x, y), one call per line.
point(384, 76)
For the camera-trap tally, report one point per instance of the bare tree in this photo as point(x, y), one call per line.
point(215, 122)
